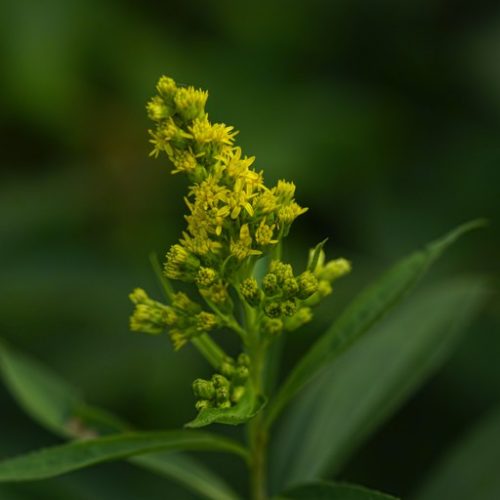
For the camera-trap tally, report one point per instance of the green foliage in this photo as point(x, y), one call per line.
point(62, 411)
point(187, 471)
point(51, 462)
point(358, 391)
point(362, 313)
point(332, 491)
point(44, 396)
point(470, 468)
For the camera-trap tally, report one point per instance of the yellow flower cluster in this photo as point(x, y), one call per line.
point(232, 214)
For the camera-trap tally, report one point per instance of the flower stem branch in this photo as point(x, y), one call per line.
point(209, 349)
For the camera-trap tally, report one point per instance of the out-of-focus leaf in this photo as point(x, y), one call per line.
point(471, 469)
point(188, 472)
point(58, 460)
point(366, 309)
point(56, 405)
point(332, 491)
point(247, 407)
point(363, 387)
point(47, 398)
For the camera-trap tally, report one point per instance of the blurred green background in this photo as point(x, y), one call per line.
point(385, 114)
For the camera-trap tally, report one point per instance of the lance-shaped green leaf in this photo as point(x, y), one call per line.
point(57, 406)
point(471, 469)
point(332, 491)
point(365, 310)
point(52, 462)
point(363, 387)
point(314, 255)
point(246, 408)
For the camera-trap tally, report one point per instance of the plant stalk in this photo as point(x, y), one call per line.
point(258, 459)
point(257, 431)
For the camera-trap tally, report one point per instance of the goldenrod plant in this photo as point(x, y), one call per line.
point(226, 275)
point(234, 221)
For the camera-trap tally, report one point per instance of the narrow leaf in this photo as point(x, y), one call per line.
point(471, 469)
point(332, 491)
point(57, 406)
point(314, 255)
point(52, 462)
point(363, 387)
point(366, 309)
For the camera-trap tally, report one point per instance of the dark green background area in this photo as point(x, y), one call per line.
point(385, 114)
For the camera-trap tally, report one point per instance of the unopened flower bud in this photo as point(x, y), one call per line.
point(335, 269)
point(281, 270)
point(202, 404)
point(227, 368)
point(222, 394)
point(217, 293)
point(205, 321)
point(182, 302)
point(181, 264)
point(203, 389)
point(220, 381)
point(190, 103)
point(284, 190)
point(250, 291)
point(237, 393)
point(178, 338)
point(300, 318)
point(206, 276)
point(240, 374)
point(273, 309)
point(150, 316)
point(157, 109)
point(324, 288)
point(270, 284)
point(288, 307)
point(166, 87)
point(272, 327)
point(308, 284)
point(244, 359)
point(290, 287)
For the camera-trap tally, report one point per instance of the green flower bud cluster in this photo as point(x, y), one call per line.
point(226, 388)
point(185, 319)
point(149, 315)
point(285, 298)
point(326, 274)
point(281, 293)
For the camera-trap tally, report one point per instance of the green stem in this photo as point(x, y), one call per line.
point(228, 320)
point(258, 439)
point(209, 349)
point(257, 432)
point(165, 284)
